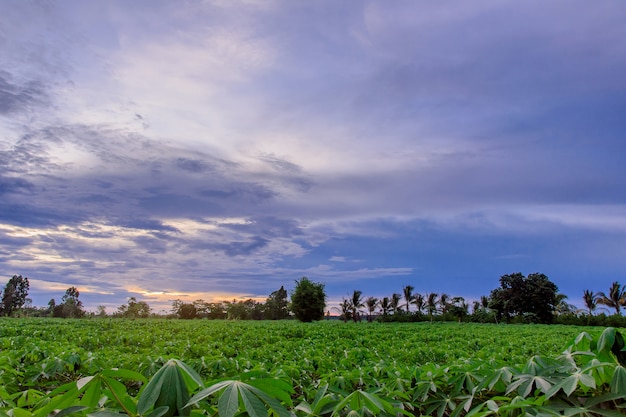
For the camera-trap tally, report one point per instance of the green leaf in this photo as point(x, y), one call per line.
point(191, 377)
point(70, 410)
point(273, 403)
point(118, 391)
point(57, 401)
point(150, 392)
point(159, 411)
point(18, 412)
point(275, 387)
point(228, 403)
point(104, 413)
point(92, 394)
point(606, 340)
point(83, 381)
point(166, 388)
point(123, 374)
point(208, 391)
point(569, 385)
point(253, 406)
point(618, 382)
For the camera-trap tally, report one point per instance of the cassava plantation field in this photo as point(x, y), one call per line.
point(108, 367)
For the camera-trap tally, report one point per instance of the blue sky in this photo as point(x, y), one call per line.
point(220, 149)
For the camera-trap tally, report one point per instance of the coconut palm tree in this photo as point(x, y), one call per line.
point(370, 303)
point(484, 302)
point(444, 303)
point(385, 306)
point(408, 295)
point(420, 302)
point(591, 301)
point(562, 307)
point(345, 309)
point(458, 307)
point(431, 304)
point(615, 299)
point(395, 302)
point(355, 304)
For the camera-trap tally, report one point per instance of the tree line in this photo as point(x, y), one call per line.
point(308, 301)
point(518, 299)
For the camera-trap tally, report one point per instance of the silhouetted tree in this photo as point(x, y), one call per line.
point(532, 298)
point(458, 308)
point(420, 302)
point(385, 306)
point(276, 305)
point(395, 302)
point(562, 306)
point(308, 300)
point(345, 310)
point(134, 309)
point(431, 304)
point(371, 303)
point(356, 303)
point(101, 311)
point(14, 295)
point(591, 301)
point(444, 303)
point(71, 306)
point(616, 297)
point(407, 290)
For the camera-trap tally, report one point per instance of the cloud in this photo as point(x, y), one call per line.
point(14, 185)
point(208, 147)
point(19, 98)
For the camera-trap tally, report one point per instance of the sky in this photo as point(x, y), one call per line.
point(218, 150)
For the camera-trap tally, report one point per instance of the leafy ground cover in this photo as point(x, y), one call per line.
point(164, 368)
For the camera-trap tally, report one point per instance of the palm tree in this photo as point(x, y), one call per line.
point(484, 302)
point(444, 303)
point(459, 307)
point(420, 302)
point(371, 303)
point(385, 306)
point(591, 301)
point(562, 307)
point(431, 304)
point(615, 299)
point(408, 295)
point(395, 302)
point(356, 303)
point(345, 310)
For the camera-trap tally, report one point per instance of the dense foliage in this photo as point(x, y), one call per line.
point(519, 299)
point(533, 297)
point(14, 295)
point(159, 368)
point(308, 300)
